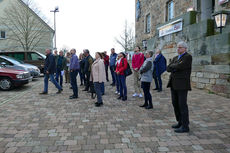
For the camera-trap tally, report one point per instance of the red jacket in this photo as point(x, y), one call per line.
point(106, 60)
point(137, 60)
point(122, 66)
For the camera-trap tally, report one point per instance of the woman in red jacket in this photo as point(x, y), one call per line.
point(121, 67)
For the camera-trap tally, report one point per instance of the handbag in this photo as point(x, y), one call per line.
point(128, 70)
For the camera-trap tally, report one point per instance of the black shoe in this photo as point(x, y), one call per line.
point(124, 98)
point(59, 91)
point(149, 107)
point(107, 80)
point(81, 84)
point(143, 105)
point(182, 130)
point(119, 97)
point(73, 97)
point(85, 90)
point(176, 126)
point(98, 104)
point(43, 93)
point(70, 88)
point(155, 89)
point(112, 84)
point(159, 90)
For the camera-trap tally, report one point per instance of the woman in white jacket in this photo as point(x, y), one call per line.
point(98, 76)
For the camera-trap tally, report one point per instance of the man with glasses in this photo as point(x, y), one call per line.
point(179, 82)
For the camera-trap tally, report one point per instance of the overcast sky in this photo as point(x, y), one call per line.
point(91, 24)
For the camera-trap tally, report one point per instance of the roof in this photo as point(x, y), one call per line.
point(35, 14)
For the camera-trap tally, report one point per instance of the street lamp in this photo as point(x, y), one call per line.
point(55, 36)
point(220, 18)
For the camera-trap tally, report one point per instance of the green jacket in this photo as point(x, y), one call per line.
point(64, 62)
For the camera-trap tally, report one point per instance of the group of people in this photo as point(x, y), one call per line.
point(93, 74)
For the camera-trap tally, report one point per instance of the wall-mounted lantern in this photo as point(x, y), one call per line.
point(221, 19)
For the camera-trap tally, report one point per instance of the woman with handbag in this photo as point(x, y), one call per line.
point(120, 71)
point(98, 77)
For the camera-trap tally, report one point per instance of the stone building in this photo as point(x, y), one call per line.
point(39, 33)
point(161, 24)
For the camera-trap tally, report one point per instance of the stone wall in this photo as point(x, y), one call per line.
point(209, 48)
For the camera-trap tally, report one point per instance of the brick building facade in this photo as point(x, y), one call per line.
point(161, 24)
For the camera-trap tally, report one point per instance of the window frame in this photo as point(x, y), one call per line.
point(170, 14)
point(148, 23)
point(2, 31)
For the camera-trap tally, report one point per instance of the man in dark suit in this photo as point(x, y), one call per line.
point(49, 70)
point(179, 82)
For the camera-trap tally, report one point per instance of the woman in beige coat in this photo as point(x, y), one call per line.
point(98, 77)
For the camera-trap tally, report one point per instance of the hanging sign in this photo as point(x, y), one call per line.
point(170, 28)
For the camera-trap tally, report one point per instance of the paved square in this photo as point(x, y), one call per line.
point(53, 123)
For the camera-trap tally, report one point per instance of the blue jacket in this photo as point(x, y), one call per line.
point(160, 65)
point(112, 59)
point(50, 64)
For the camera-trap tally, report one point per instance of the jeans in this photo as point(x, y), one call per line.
point(158, 82)
point(112, 68)
point(82, 77)
point(46, 81)
point(122, 84)
point(179, 101)
point(97, 87)
point(73, 76)
point(117, 83)
point(102, 88)
point(148, 97)
point(58, 74)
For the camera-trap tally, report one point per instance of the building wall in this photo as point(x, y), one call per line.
point(9, 45)
point(209, 48)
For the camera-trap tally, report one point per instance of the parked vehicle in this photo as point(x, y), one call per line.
point(10, 78)
point(30, 57)
point(12, 63)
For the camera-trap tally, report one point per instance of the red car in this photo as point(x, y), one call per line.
point(10, 78)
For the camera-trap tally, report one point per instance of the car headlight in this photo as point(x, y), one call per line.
point(19, 76)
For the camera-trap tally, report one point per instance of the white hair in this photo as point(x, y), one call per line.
point(182, 44)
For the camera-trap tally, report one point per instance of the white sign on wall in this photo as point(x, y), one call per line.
point(223, 1)
point(170, 28)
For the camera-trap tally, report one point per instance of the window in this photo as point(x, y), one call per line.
point(148, 23)
point(170, 10)
point(19, 56)
point(33, 56)
point(5, 61)
point(2, 34)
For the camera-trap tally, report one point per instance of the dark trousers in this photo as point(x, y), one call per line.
point(148, 97)
point(46, 81)
point(97, 87)
point(102, 88)
point(58, 74)
point(117, 83)
point(122, 84)
point(82, 77)
point(179, 101)
point(73, 76)
point(158, 82)
point(87, 85)
point(112, 68)
point(106, 72)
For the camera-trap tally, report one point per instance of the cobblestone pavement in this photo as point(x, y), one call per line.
point(53, 123)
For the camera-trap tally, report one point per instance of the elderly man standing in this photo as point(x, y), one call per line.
point(49, 70)
point(179, 82)
point(87, 68)
point(74, 68)
point(112, 65)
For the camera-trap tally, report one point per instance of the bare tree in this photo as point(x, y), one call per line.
point(127, 39)
point(25, 28)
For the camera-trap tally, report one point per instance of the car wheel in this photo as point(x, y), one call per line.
point(5, 84)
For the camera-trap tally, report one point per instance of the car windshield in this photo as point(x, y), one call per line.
point(42, 55)
point(13, 60)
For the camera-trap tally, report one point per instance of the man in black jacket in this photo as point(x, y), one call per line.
point(87, 68)
point(49, 70)
point(179, 82)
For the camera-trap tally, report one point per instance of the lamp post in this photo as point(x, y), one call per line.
point(55, 35)
point(220, 19)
